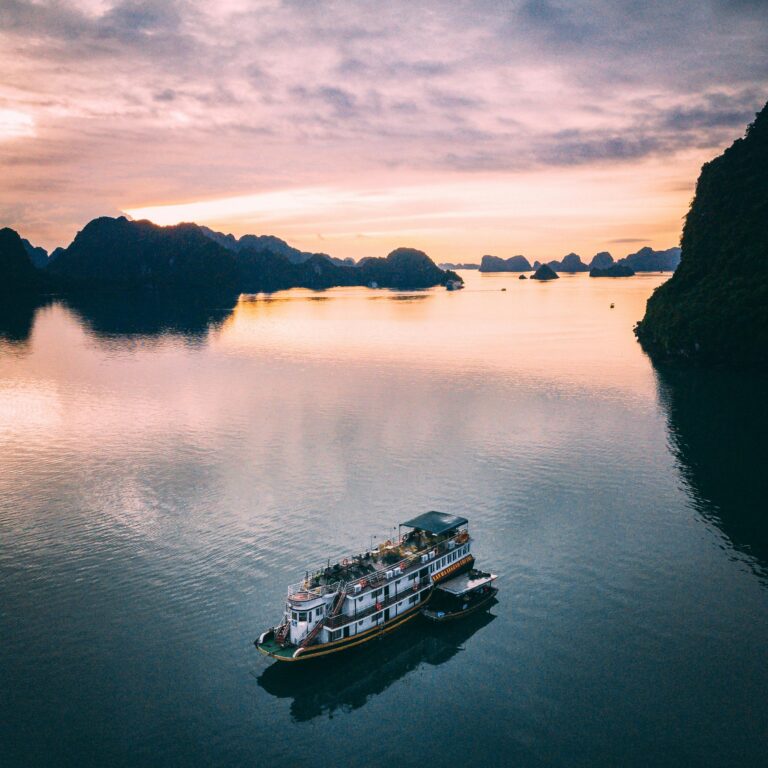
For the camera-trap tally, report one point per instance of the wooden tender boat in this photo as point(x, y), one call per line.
point(461, 596)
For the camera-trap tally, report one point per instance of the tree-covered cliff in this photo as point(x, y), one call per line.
point(714, 309)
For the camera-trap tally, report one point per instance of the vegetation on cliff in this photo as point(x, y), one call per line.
point(714, 309)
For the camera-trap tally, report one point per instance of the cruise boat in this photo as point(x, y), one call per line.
point(372, 593)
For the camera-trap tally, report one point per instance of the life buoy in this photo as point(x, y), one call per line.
point(415, 587)
point(363, 584)
point(345, 562)
point(378, 606)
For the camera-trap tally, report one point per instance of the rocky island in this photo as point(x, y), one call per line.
point(601, 260)
point(648, 260)
point(614, 270)
point(120, 254)
point(714, 310)
point(544, 272)
point(570, 264)
point(512, 264)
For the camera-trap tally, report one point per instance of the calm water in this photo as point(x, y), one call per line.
point(166, 471)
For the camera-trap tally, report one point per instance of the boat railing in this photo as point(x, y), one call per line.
point(380, 577)
point(316, 591)
point(334, 622)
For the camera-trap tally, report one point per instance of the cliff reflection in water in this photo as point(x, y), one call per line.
point(16, 320)
point(129, 314)
point(149, 313)
point(347, 681)
point(718, 425)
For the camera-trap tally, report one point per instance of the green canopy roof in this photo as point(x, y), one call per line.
point(435, 522)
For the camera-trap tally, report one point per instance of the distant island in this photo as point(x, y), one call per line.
point(544, 272)
point(449, 265)
point(614, 270)
point(512, 264)
point(714, 310)
point(644, 260)
point(569, 264)
point(120, 254)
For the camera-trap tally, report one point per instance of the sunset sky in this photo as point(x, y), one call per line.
point(461, 128)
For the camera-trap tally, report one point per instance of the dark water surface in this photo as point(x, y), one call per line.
point(166, 471)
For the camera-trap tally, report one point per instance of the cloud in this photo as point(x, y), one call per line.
point(186, 100)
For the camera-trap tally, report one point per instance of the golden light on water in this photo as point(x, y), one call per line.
point(552, 333)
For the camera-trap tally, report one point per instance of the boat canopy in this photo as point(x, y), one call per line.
point(435, 522)
point(466, 582)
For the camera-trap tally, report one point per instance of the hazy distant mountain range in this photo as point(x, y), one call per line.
point(451, 265)
point(269, 243)
point(116, 253)
point(644, 260)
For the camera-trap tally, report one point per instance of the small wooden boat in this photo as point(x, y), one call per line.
point(461, 596)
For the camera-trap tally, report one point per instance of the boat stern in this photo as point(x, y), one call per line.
point(268, 645)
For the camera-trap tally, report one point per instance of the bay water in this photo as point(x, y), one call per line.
point(167, 470)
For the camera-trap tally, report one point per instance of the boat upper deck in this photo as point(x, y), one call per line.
point(378, 565)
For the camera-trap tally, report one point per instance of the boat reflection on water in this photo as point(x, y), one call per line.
point(348, 681)
point(718, 426)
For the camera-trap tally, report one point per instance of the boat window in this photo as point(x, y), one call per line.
point(319, 612)
point(294, 615)
point(303, 616)
point(360, 623)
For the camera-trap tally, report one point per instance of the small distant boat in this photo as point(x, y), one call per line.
point(461, 596)
point(611, 305)
point(454, 285)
